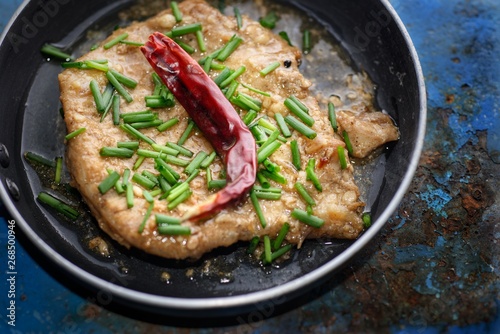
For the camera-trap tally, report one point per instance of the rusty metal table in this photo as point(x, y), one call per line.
point(434, 268)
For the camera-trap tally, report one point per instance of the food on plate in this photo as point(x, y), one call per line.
point(147, 164)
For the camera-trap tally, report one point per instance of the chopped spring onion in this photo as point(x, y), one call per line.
point(299, 112)
point(195, 163)
point(116, 109)
point(253, 245)
point(164, 185)
point(107, 98)
point(151, 154)
point(38, 158)
point(181, 149)
point(55, 52)
point(118, 185)
point(96, 65)
point(186, 133)
point(306, 41)
point(268, 195)
point(275, 176)
point(188, 48)
point(229, 48)
point(280, 252)
point(168, 124)
point(145, 125)
point(231, 90)
point(267, 149)
point(239, 71)
point(207, 66)
point(269, 21)
point(75, 133)
point(249, 117)
point(158, 101)
point(176, 161)
point(184, 30)
point(311, 174)
point(258, 209)
point(127, 81)
point(131, 145)
point(176, 11)
point(174, 230)
point(59, 205)
point(118, 86)
point(166, 171)
point(255, 90)
point(136, 133)
point(280, 120)
point(143, 181)
point(281, 236)
point(201, 41)
point(258, 133)
point(269, 68)
point(342, 157)
point(301, 189)
point(299, 103)
point(264, 182)
point(109, 182)
point(178, 200)
point(300, 127)
point(246, 102)
point(143, 117)
point(146, 217)
point(125, 177)
point(138, 163)
point(367, 219)
point(152, 177)
point(57, 178)
point(132, 43)
point(216, 184)
point(130, 195)
point(223, 75)
point(271, 166)
point(347, 141)
point(332, 116)
point(296, 161)
point(267, 250)
point(115, 41)
point(275, 190)
point(167, 220)
point(83, 65)
point(96, 93)
point(208, 160)
point(284, 35)
point(237, 15)
point(307, 218)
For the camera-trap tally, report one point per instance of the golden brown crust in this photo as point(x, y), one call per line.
point(338, 204)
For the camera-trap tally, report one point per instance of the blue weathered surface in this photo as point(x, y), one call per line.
point(435, 266)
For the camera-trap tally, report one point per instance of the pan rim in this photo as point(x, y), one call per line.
point(235, 303)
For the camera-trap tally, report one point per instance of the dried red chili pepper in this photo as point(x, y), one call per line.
point(213, 114)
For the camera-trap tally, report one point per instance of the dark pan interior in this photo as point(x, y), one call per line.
point(29, 121)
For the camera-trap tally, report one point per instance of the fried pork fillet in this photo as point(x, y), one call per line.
point(338, 203)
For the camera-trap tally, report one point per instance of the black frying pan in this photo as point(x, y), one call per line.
point(376, 41)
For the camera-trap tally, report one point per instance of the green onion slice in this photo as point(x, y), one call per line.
point(281, 236)
point(115, 41)
point(300, 127)
point(59, 205)
point(146, 217)
point(269, 68)
point(109, 182)
point(75, 133)
point(306, 218)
